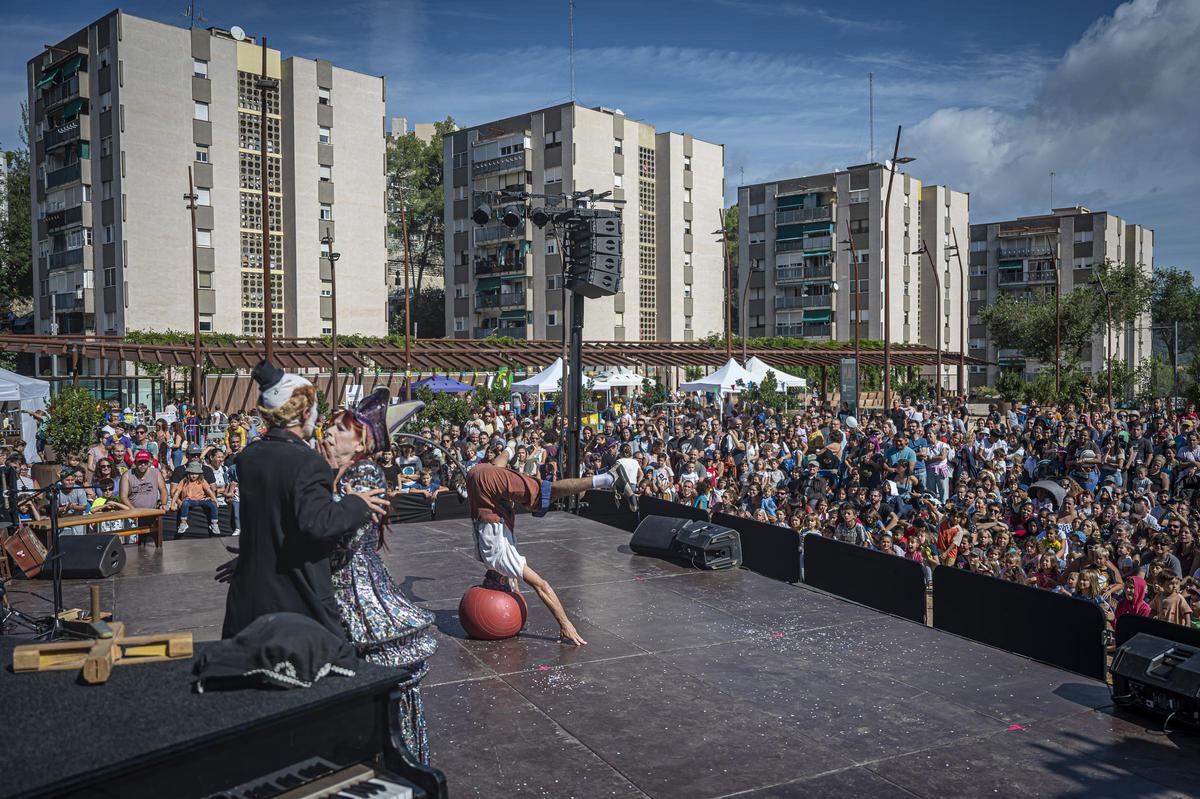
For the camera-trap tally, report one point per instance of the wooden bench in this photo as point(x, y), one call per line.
point(149, 523)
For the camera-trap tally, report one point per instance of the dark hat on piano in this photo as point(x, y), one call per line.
point(278, 650)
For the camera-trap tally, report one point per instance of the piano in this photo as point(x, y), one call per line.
point(146, 734)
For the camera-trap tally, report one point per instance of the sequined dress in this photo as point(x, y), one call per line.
point(382, 623)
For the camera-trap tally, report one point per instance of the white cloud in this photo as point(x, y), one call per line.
point(1115, 119)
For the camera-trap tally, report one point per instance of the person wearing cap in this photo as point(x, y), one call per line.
point(291, 522)
point(195, 490)
point(143, 485)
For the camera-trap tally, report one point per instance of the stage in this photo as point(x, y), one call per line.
point(707, 684)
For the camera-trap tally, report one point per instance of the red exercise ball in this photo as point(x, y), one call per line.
point(490, 614)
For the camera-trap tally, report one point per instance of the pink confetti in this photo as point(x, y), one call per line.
point(776, 635)
point(1015, 728)
point(639, 578)
point(543, 668)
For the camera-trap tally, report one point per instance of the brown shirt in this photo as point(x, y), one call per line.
point(492, 490)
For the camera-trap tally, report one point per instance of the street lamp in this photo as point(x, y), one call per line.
point(1108, 335)
point(937, 316)
point(723, 233)
point(197, 364)
point(332, 257)
point(887, 272)
point(745, 296)
point(407, 306)
point(965, 319)
point(854, 284)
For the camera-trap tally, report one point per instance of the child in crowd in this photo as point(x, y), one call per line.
point(1170, 605)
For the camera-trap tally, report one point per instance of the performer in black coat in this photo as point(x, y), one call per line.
point(290, 521)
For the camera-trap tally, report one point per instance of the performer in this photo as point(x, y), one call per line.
point(492, 489)
point(382, 623)
point(290, 521)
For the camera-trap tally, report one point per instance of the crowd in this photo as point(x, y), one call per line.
point(1102, 506)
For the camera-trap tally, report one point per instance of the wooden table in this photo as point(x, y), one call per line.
point(149, 523)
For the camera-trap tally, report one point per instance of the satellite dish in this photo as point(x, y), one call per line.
point(237, 33)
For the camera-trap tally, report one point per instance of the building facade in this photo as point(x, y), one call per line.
point(670, 186)
point(801, 278)
point(1037, 255)
point(122, 109)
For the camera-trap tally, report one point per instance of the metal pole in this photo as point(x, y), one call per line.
point(937, 319)
point(407, 316)
point(1175, 364)
point(857, 310)
point(333, 321)
point(1108, 337)
point(887, 280)
point(575, 378)
point(196, 362)
point(966, 320)
point(264, 84)
point(1057, 310)
point(745, 320)
point(728, 289)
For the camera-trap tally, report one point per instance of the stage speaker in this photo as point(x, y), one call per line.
point(89, 557)
point(1159, 676)
point(702, 544)
point(655, 535)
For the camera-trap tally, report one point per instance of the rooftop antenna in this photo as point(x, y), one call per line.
point(191, 13)
point(571, 42)
point(1051, 189)
point(871, 101)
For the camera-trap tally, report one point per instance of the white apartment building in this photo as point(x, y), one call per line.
point(508, 282)
point(121, 109)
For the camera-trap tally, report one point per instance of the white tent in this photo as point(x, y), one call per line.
point(616, 378)
point(545, 381)
point(725, 380)
point(30, 394)
point(760, 370)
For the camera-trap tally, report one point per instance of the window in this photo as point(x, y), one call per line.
point(324, 135)
point(551, 246)
point(758, 238)
point(460, 226)
point(687, 195)
point(460, 192)
point(617, 146)
point(108, 234)
point(687, 163)
point(858, 196)
point(203, 238)
point(460, 324)
point(106, 146)
point(199, 67)
point(106, 101)
point(1083, 236)
point(687, 292)
point(326, 211)
point(979, 246)
point(552, 319)
point(552, 282)
point(323, 97)
point(326, 330)
point(553, 137)
point(110, 277)
point(203, 197)
point(201, 154)
point(326, 292)
point(206, 324)
point(618, 181)
point(1082, 263)
point(204, 280)
point(758, 209)
point(552, 174)
point(201, 111)
point(106, 190)
point(460, 292)
point(326, 173)
point(102, 57)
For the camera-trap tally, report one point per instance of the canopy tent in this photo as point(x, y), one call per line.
point(616, 378)
point(761, 369)
point(443, 384)
point(545, 381)
point(30, 394)
point(725, 380)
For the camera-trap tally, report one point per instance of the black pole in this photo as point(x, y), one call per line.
point(56, 567)
point(575, 380)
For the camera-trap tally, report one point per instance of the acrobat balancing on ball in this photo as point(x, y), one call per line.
point(494, 491)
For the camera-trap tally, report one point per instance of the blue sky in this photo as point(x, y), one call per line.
point(992, 96)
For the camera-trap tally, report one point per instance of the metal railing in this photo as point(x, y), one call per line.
point(1010, 277)
point(1040, 276)
point(66, 132)
point(492, 266)
point(792, 273)
point(1026, 251)
point(811, 301)
point(796, 245)
point(66, 174)
point(500, 300)
point(58, 260)
point(790, 216)
point(483, 235)
point(810, 330)
point(505, 163)
point(62, 91)
point(518, 331)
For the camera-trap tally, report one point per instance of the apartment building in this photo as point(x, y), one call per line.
point(669, 187)
point(121, 109)
point(1037, 255)
point(800, 277)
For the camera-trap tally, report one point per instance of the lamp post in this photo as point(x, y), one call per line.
point(745, 320)
point(191, 198)
point(966, 321)
point(332, 257)
point(887, 273)
point(724, 234)
point(937, 317)
point(849, 242)
point(264, 85)
point(407, 312)
point(1108, 335)
point(1057, 306)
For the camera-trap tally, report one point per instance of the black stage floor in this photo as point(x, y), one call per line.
point(710, 684)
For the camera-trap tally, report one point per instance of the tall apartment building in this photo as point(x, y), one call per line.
point(502, 281)
point(795, 264)
point(121, 109)
point(1019, 257)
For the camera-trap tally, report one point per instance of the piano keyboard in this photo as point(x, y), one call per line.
point(317, 778)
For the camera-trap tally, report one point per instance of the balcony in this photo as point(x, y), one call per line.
point(811, 243)
point(62, 92)
point(59, 260)
point(792, 274)
point(810, 301)
point(810, 330)
point(486, 235)
point(790, 216)
point(506, 163)
point(1041, 276)
point(64, 218)
point(69, 174)
point(1027, 251)
point(65, 133)
point(1036, 230)
point(504, 299)
point(493, 266)
point(1011, 277)
point(516, 331)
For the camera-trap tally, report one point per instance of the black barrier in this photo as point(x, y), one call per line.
point(450, 505)
point(889, 583)
point(653, 506)
point(1043, 625)
point(1130, 625)
point(410, 508)
point(768, 549)
point(600, 507)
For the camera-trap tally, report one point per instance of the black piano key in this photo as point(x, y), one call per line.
point(358, 790)
point(290, 780)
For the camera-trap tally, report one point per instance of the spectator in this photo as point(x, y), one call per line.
point(195, 490)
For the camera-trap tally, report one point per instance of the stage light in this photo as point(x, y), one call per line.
point(482, 214)
point(539, 217)
point(513, 215)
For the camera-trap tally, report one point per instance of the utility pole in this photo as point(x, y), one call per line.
point(1108, 335)
point(197, 364)
point(1057, 306)
point(333, 389)
point(407, 307)
point(728, 288)
point(266, 84)
point(937, 316)
point(887, 280)
point(857, 311)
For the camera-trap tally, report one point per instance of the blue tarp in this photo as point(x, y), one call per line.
point(441, 384)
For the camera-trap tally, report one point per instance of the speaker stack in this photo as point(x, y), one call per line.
point(89, 557)
point(1158, 676)
point(702, 544)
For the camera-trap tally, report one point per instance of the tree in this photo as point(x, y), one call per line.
point(428, 309)
point(74, 418)
point(765, 393)
point(731, 237)
point(414, 173)
point(16, 248)
point(1010, 385)
point(1177, 300)
point(653, 393)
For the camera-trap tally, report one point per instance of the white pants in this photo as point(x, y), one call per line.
point(496, 548)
